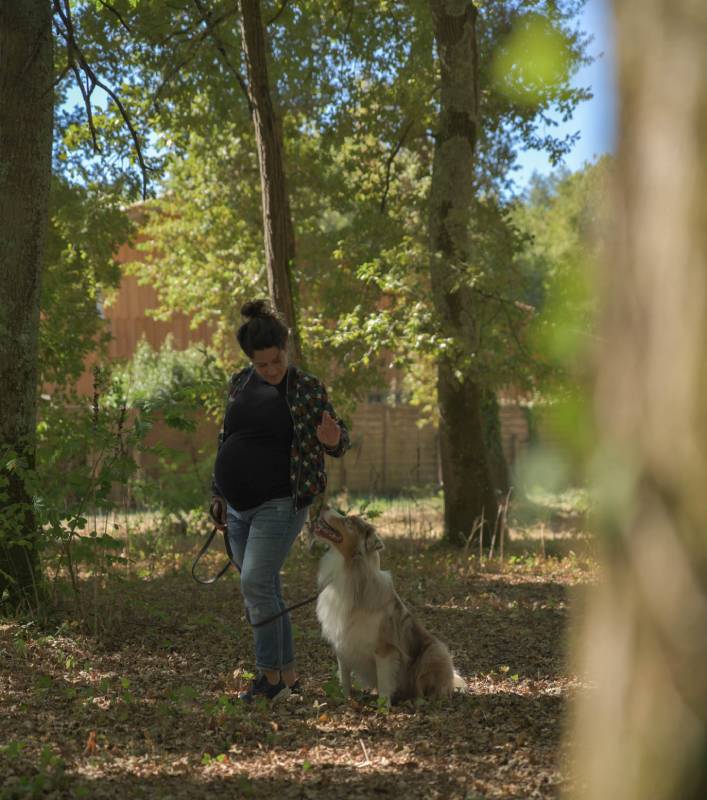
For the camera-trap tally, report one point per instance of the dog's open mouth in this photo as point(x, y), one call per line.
point(325, 531)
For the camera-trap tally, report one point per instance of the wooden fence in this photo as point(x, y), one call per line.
point(390, 451)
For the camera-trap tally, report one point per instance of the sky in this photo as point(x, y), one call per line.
point(595, 119)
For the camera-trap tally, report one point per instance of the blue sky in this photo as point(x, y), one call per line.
point(596, 118)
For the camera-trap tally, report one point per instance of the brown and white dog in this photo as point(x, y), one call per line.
point(373, 633)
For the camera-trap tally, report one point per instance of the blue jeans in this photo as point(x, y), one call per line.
point(260, 540)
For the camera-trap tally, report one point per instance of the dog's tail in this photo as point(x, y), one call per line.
point(436, 676)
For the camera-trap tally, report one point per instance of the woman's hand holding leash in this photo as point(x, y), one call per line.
point(328, 431)
point(217, 512)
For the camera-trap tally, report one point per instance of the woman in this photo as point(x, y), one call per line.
point(269, 467)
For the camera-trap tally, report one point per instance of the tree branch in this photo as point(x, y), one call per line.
point(514, 333)
point(92, 81)
point(60, 78)
point(524, 307)
point(211, 28)
point(349, 21)
point(86, 94)
point(116, 13)
point(189, 29)
point(283, 6)
point(389, 163)
point(176, 66)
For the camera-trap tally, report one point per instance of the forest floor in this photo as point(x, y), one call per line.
point(132, 694)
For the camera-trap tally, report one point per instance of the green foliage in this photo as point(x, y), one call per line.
point(174, 383)
point(86, 462)
point(207, 759)
point(517, 108)
point(563, 217)
point(533, 59)
point(86, 227)
point(383, 705)
point(92, 446)
point(47, 777)
point(176, 486)
point(357, 99)
point(175, 387)
point(332, 688)
point(203, 248)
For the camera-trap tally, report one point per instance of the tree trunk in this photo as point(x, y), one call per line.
point(642, 733)
point(26, 104)
point(277, 219)
point(491, 421)
point(468, 486)
point(468, 489)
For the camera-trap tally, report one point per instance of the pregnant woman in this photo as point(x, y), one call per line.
point(269, 468)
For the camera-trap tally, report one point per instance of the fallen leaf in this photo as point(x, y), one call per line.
point(91, 744)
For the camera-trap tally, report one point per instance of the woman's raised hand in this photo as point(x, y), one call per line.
point(328, 431)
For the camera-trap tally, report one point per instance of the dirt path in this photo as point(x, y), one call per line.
point(134, 701)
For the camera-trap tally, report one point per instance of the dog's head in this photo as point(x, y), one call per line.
point(352, 536)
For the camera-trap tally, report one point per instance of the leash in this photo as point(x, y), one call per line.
point(224, 570)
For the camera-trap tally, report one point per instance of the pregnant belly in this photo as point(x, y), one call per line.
point(245, 468)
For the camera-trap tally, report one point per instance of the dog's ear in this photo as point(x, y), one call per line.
point(373, 540)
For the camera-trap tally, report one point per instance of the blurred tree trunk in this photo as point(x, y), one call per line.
point(643, 732)
point(466, 474)
point(277, 218)
point(26, 105)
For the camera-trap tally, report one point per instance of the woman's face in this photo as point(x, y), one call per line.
point(270, 364)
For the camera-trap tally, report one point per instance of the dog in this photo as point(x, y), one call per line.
point(373, 633)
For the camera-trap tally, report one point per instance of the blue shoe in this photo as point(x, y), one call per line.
point(261, 687)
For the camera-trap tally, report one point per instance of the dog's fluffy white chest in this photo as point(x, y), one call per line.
point(346, 628)
point(353, 634)
point(353, 631)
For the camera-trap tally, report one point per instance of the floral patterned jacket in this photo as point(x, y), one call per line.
point(307, 400)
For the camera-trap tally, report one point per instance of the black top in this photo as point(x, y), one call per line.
point(253, 463)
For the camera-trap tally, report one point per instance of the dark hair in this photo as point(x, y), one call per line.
point(263, 328)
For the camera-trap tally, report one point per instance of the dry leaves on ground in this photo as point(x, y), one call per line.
point(136, 700)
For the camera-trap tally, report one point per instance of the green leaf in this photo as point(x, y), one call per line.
point(44, 682)
point(13, 749)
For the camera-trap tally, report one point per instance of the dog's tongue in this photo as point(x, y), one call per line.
point(327, 532)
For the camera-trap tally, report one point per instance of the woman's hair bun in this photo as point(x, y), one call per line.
point(262, 329)
point(256, 308)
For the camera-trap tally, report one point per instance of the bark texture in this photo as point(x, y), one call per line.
point(26, 117)
point(468, 485)
point(643, 732)
point(277, 219)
